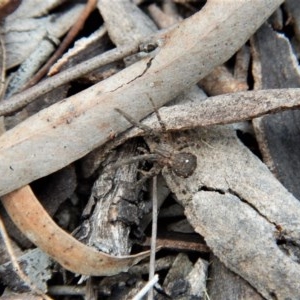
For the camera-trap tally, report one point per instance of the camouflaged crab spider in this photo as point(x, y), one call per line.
point(182, 163)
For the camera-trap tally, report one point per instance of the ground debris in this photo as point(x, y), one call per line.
point(227, 228)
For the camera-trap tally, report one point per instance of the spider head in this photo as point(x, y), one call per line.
point(184, 164)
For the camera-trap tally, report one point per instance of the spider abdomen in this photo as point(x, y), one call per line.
point(183, 164)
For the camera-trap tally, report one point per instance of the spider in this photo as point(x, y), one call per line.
point(182, 163)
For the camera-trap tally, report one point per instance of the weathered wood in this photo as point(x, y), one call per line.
point(221, 81)
point(224, 284)
point(223, 109)
point(35, 264)
point(234, 201)
point(33, 9)
point(114, 194)
point(83, 50)
point(114, 205)
point(278, 135)
point(40, 103)
point(134, 23)
point(185, 280)
point(68, 130)
point(107, 229)
point(30, 216)
point(36, 33)
point(293, 10)
point(245, 242)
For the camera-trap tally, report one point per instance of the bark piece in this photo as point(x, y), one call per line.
point(162, 19)
point(42, 102)
point(245, 212)
point(180, 226)
point(74, 119)
point(224, 284)
point(134, 23)
point(278, 135)
point(35, 264)
point(185, 280)
point(56, 189)
point(114, 193)
point(40, 35)
point(25, 296)
point(175, 283)
point(247, 244)
point(36, 224)
point(223, 109)
point(293, 10)
point(242, 62)
point(197, 280)
point(221, 81)
point(31, 31)
point(35, 8)
point(114, 205)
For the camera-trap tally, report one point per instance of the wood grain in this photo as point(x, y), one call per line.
point(29, 215)
point(68, 130)
point(243, 212)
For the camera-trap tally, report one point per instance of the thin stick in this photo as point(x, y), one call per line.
point(146, 288)
point(91, 4)
point(67, 290)
point(15, 263)
point(3, 67)
point(20, 100)
point(206, 295)
point(154, 234)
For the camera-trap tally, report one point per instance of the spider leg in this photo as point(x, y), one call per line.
point(172, 176)
point(147, 175)
point(148, 130)
point(183, 146)
point(149, 157)
point(160, 121)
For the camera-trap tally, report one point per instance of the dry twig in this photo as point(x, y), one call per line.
point(150, 77)
point(65, 43)
point(85, 125)
point(153, 234)
point(18, 101)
